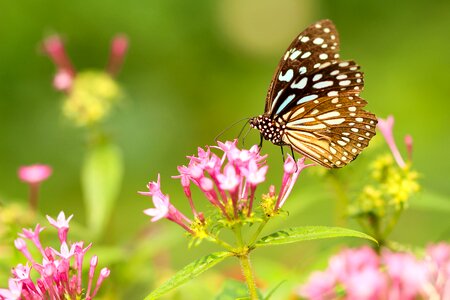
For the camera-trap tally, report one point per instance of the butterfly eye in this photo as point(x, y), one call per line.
point(314, 98)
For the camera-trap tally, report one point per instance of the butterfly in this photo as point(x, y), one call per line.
point(313, 103)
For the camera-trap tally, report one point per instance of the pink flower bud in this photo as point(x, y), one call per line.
point(34, 174)
point(119, 48)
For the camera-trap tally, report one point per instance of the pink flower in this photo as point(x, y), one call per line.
point(63, 80)
point(291, 171)
point(119, 47)
point(163, 208)
point(34, 174)
point(227, 179)
point(320, 286)
point(361, 274)
point(53, 46)
point(62, 224)
point(409, 146)
point(386, 128)
point(439, 253)
point(14, 291)
point(408, 276)
point(59, 276)
point(368, 284)
point(65, 251)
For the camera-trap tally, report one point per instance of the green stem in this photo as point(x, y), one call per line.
point(392, 222)
point(248, 274)
point(258, 231)
point(238, 233)
point(221, 243)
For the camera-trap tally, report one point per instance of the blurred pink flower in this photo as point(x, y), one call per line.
point(34, 174)
point(54, 47)
point(409, 146)
point(119, 47)
point(362, 274)
point(320, 286)
point(58, 276)
point(386, 127)
point(13, 292)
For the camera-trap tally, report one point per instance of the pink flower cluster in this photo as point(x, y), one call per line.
point(227, 181)
point(362, 274)
point(53, 46)
point(59, 272)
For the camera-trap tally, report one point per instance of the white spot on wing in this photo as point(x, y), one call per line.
point(301, 84)
point(302, 121)
point(335, 121)
point(285, 102)
point(317, 77)
point(276, 98)
point(323, 84)
point(323, 56)
point(295, 54)
point(287, 76)
point(329, 115)
point(306, 55)
point(304, 39)
point(307, 98)
point(318, 41)
point(302, 70)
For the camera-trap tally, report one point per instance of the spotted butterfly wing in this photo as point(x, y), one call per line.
point(313, 102)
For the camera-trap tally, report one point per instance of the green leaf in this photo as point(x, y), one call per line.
point(101, 179)
point(234, 290)
point(189, 272)
point(306, 233)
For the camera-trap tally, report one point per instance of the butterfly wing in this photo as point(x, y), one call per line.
point(316, 45)
point(320, 103)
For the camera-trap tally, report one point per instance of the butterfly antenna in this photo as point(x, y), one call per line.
point(231, 126)
point(245, 135)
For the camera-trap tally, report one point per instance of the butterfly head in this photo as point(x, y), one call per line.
point(270, 129)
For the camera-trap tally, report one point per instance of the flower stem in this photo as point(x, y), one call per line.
point(248, 274)
point(220, 242)
point(258, 231)
point(34, 195)
point(392, 222)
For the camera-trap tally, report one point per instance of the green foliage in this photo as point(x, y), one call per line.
point(189, 272)
point(306, 233)
point(101, 178)
point(233, 290)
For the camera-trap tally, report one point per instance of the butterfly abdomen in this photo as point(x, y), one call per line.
point(270, 129)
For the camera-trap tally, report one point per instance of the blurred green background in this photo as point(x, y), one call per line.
point(193, 68)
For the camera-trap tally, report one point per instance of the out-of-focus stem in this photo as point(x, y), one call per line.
point(248, 274)
point(34, 196)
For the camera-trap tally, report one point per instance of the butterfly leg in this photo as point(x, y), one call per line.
point(282, 153)
point(260, 142)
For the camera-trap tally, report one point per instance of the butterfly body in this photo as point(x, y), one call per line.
point(313, 103)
